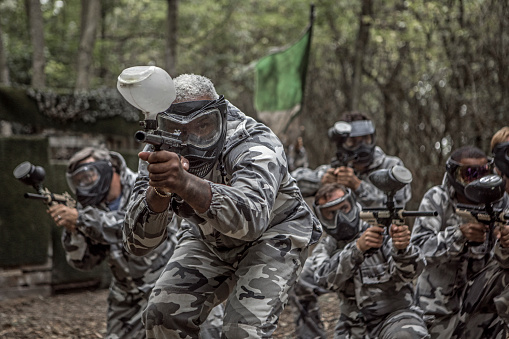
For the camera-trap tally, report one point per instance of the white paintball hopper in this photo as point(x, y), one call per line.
point(148, 88)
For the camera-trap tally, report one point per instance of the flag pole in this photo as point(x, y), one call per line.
point(311, 21)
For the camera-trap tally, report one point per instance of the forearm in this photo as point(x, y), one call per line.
point(102, 227)
point(80, 253)
point(341, 266)
point(438, 247)
point(144, 229)
point(409, 262)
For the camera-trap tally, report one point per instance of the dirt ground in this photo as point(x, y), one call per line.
point(80, 315)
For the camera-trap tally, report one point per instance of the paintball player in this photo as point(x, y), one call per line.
point(92, 233)
point(245, 228)
point(375, 290)
point(365, 158)
point(486, 302)
point(456, 290)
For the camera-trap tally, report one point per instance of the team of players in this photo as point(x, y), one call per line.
point(215, 240)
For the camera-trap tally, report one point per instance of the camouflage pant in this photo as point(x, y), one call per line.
point(304, 298)
point(442, 327)
point(485, 313)
point(254, 281)
point(124, 314)
point(125, 311)
point(404, 324)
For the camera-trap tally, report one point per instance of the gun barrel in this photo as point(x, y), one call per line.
point(46, 198)
point(143, 136)
point(157, 140)
point(419, 213)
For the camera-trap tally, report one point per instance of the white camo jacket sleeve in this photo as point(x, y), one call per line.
point(143, 230)
point(440, 237)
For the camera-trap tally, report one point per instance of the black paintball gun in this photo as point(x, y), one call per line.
point(390, 181)
point(484, 193)
point(34, 176)
point(160, 141)
point(338, 134)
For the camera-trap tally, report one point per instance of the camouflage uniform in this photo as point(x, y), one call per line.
point(459, 279)
point(305, 295)
point(247, 248)
point(375, 291)
point(99, 237)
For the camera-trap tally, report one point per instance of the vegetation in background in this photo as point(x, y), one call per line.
point(433, 74)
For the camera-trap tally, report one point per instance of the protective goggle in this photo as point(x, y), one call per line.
point(465, 174)
point(328, 213)
point(195, 123)
point(201, 131)
point(86, 176)
point(363, 132)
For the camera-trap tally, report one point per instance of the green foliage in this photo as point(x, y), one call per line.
point(434, 75)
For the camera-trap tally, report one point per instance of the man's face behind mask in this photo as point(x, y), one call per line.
point(201, 128)
point(91, 181)
point(339, 215)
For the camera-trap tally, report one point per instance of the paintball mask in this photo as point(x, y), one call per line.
point(340, 217)
point(501, 154)
point(91, 181)
point(461, 175)
point(200, 126)
point(360, 144)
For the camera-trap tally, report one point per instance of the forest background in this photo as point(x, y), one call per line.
point(434, 75)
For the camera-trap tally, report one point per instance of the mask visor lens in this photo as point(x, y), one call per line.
point(467, 174)
point(201, 131)
point(84, 177)
point(327, 213)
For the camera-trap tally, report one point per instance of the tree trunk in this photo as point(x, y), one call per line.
point(4, 70)
point(365, 20)
point(37, 38)
point(90, 17)
point(171, 38)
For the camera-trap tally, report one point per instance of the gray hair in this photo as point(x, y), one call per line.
point(191, 87)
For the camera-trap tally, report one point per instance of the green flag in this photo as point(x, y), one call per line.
point(281, 77)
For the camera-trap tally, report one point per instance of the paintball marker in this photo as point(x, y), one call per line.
point(34, 176)
point(390, 181)
point(151, 90)
point(485, 192)
point(338, 134)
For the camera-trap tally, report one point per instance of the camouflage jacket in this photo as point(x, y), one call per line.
point(367, 194)
point(99, 237)
point(369, 286)
point(253, 196)
point(451, 260)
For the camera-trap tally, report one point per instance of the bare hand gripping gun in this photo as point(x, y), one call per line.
point(390, 181)
point(485, 192)
point(34, 176)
